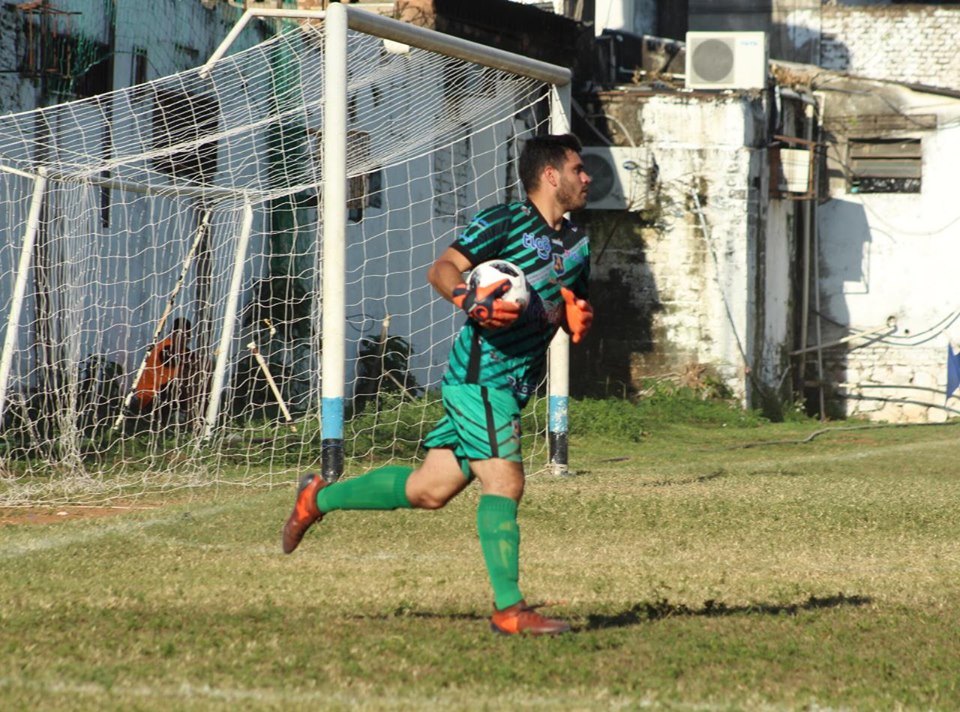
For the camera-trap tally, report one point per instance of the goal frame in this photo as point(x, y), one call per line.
point(338, 19)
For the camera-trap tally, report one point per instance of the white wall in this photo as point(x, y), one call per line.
point(780, 274)
point(706, 283)
point(895, 255)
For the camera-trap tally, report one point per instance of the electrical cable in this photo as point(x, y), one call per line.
point(824, 431)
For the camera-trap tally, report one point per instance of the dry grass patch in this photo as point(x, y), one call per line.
point(698, 574)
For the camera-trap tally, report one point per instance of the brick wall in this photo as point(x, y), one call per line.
point(887, 381)
point(907, 43)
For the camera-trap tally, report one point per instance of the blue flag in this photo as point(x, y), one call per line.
point(953, 371)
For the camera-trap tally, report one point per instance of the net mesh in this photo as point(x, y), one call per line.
point(196, 198)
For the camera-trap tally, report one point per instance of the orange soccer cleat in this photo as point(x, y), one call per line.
point(305, 512)
point(521, 618)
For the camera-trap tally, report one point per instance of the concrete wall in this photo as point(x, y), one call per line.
point(893, 255)
point(708, 285)
point(175, 35)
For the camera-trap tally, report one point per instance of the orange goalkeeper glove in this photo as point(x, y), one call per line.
point(579, 315)
point(485, 306)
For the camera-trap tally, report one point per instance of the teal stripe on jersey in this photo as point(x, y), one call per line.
point(514, 358)
point(522, 227)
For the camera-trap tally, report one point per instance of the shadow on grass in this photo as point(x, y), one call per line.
point(642, 612)
point(404, 612)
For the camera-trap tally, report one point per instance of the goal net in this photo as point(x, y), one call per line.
point(160, 265)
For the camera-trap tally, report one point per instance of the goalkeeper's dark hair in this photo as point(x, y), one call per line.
point(542, 151)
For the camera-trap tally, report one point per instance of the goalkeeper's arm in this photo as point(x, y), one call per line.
point(579, 315)
point(486, 308)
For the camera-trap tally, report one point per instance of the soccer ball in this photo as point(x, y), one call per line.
point(493, 271)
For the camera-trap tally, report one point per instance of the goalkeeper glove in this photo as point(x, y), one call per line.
point(484, 305)
point(579, 315)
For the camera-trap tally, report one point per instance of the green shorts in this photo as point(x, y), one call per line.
point(479, 423)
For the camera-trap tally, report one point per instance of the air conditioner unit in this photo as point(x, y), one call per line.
point(620, 177)
point(726, 60)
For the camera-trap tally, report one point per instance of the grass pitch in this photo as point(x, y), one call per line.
point(703, 567)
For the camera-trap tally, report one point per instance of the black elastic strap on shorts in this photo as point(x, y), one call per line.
point(473, 365)
point(491, 426)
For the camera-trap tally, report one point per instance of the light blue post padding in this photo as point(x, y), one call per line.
point(331, 418)
point(558, 406)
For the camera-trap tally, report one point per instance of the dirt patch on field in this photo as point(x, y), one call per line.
point(14, 516)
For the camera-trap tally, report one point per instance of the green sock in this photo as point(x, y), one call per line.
point(382, 488)
point(500, 541)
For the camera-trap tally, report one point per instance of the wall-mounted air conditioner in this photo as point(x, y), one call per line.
point(726, 60)
point(621, 177)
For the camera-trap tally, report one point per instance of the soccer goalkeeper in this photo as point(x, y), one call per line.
point(495, 365)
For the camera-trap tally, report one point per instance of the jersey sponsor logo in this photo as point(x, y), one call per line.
point(539, 243)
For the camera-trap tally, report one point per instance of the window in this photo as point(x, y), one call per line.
point(451, 175)
point(364, 190)
point(884, 165)
point(138, 67)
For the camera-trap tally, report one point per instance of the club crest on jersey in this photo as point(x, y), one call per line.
point(521, 389)
point(540, 244)
point(558, 265)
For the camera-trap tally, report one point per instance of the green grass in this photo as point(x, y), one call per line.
point(701, 568)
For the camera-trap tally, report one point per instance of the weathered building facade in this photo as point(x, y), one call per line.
point(59, 50)
point(886, 229)
point(887, 236)
point(696, 286)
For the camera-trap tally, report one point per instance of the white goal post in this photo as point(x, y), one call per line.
point(289, 196)
point(338, 18)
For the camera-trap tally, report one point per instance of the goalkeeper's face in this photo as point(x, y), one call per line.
point(573, 184)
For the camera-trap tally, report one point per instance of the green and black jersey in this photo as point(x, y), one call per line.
point(513, 358)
